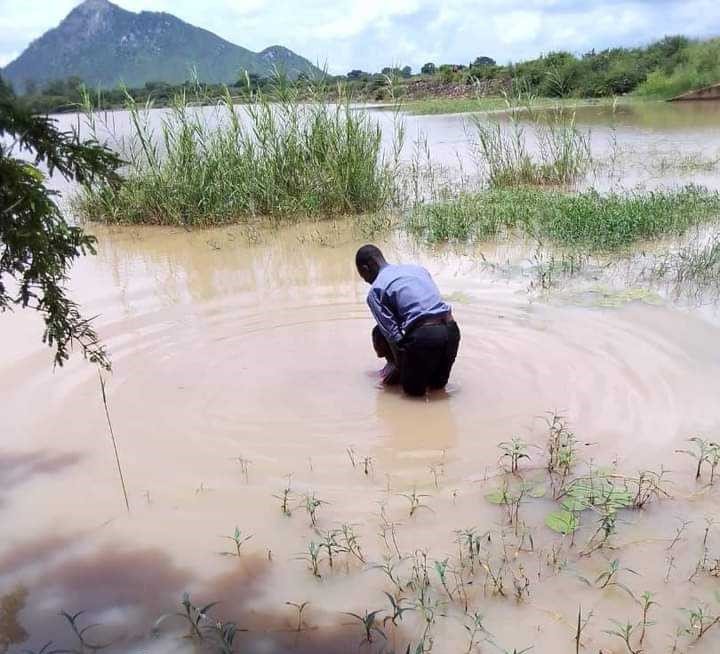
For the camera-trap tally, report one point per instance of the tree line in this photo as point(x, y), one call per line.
point(664, 68)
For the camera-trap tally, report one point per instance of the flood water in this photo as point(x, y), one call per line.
point(242, 364)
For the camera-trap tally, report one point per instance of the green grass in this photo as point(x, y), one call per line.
point(562, 155)
point(431, 106)
point(588, 219)
point(288, 157)
point(699, 66)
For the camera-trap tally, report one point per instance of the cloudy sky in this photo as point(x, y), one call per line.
point(370, 34)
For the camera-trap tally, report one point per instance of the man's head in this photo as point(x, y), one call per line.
point(369, 261)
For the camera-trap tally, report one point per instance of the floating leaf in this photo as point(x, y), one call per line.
point(619, 498)
point(499, 496)
point(535, 490)
point(563, 522)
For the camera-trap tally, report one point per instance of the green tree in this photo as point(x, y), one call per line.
point(37, 245)
point(428, 68)
point(357, 74)
point(483, 61)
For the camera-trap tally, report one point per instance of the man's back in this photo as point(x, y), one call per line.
point(409, 293)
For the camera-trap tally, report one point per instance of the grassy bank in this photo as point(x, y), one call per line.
point(435, 106)
point(285, 158)
point(698, 66)
point(584, 219)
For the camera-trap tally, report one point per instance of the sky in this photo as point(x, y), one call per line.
point(370, 34)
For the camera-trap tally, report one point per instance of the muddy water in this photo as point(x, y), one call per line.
point(241, 365)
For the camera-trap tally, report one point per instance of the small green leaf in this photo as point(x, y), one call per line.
point(499, 496)
point(535, 490)
point(574, 504)
point(563, 522)
point(619, 498)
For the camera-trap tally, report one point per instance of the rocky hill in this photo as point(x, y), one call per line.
point(106, 45)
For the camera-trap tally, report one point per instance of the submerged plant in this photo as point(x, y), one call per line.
point(415, 500)
point(194, 616)
point(515, 450)
point(475, 628)
point(609, 578)
point(705, 452)
point(313, 557)
point(350, 542)
point(299, 607)
point(312, 504)
point(581, 626)
point(646, 603)
point(560, 449)
point(700, 620)
point(396, 604)
point(285, 499)
point(370, 624)
point(239, 540)
point(624, 631)
point(84, 645)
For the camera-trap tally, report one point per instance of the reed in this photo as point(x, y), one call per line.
point(503, 144)
point(279, 155)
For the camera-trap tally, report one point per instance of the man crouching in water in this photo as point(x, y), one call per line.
point(415, 329)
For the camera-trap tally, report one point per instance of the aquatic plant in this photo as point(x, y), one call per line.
point(515, 450)
point(705, 452)
point(291, 154)
point(562, 150)
point(700, 620)
point(415, 500)
point(624, 631)
point(313, 557)
point(560, 450)
point(370, 624)
point(396, 604)
point(312, 504)
point(299, 607)
point(586, 219)
point(474, 627)
point(285, 499)
point(581, 626)
point(238, 540)
point(609, 578)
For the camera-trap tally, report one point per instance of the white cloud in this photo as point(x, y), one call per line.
point(370, 34)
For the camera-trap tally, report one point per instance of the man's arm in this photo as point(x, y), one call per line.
point(384, 317)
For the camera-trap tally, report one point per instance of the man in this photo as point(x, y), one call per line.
point(415, 329)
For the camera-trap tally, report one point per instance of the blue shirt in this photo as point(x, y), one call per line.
point(400, 295)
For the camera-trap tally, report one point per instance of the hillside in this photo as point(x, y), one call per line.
point(105, 45)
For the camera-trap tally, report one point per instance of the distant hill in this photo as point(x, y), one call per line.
point(106, 45)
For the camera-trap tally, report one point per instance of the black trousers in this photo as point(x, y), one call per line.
point(424, 358)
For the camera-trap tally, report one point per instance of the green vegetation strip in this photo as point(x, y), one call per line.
point(588, 219)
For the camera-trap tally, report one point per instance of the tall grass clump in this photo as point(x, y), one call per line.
point(281, 155)
point(587, 219)
point(560, 156)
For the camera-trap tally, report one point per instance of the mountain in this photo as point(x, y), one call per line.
point(106, 45)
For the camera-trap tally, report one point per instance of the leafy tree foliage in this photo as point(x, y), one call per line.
point(37, 245)
point(428, 68)
point(483, 61)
